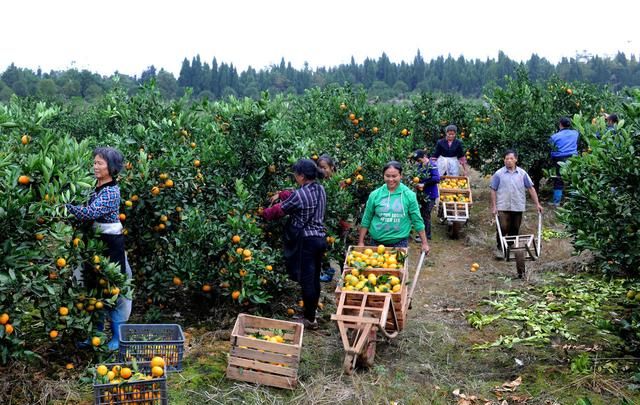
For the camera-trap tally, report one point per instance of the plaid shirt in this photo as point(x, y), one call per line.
point(103, 205)
point(306, 207)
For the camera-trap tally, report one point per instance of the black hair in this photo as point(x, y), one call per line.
point(326, 158)
point(395, 164)
point(565, 122)
point(509, 152)
point(308, 169)
point(113, 157)
point(613, 118)
point(419, 154)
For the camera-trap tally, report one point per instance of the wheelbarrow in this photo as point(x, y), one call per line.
point(521, 247)
point(361, 315)
point(453, 205)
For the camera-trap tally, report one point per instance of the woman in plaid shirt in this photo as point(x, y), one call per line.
point(102, 211)
point(305, 241)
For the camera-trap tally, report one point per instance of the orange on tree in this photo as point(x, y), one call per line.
point(242, 272)
point(246, 253)
point(375, 130)
point(161, 226)
point(96, 259)
point(352, 116)
point(53, 334)
point(193, 145)
point(235, 295)
point(69, 366)
point(416, 179)
point(8, 329)
point(268, 267)
point(25, 139)
point(4, 318)
point(39, 236)
point(163, 218)
point(176, 281)
point(63, 311)
point(168, 183)
point(206, 288)
point(61, 262)
point(95, 341)
point(239, 250)
point(196, 163)
point(128, 203)
point(359, 177)
point(99, 305)
point(114, 291)
point(122, 217)
point(155, 190)
point(134, 198)
point(24, 180)
point(404, 132)
point(235, 239)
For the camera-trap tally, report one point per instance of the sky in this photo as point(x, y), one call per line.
point(128, 36)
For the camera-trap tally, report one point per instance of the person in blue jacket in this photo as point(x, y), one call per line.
point(564, 145)
point(429, 178)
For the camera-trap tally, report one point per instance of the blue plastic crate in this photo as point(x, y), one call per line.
point(147, 392)
point(145, 341)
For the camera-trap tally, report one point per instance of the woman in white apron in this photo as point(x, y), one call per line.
point(450, 154)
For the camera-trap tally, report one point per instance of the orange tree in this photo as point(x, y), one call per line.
point(523, 115)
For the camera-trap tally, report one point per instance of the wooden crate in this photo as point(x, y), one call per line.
point(374, 299)
point(252, 360)
point(468, 188)
point(374, 248)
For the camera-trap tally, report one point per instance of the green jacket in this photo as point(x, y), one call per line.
point(389, 216)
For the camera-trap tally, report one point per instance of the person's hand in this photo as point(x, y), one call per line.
point(360, 243)
point(274, 198)
point(425, 247)
point(539, 208)
point(494, 210)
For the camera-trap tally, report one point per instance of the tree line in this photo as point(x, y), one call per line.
point(382, 78)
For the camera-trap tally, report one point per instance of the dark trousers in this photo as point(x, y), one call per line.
point(313, 249)
point(509, 224)
point(426, 206)
point(558, 183)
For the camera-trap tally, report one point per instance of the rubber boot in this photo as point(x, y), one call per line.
point(114, 343)
point(557, 197)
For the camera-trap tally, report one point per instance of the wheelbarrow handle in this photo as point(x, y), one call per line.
point(415, 278)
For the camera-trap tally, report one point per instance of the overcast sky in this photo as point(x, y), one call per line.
point(128, 36)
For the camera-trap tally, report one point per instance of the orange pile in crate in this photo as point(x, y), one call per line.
point(355, 280)
point(382, 257)
point(454, 183)
point(130, 383)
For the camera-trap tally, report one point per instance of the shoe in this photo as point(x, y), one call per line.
point(114, 343)
point(418, 239)
point(309, 324)
point(327, 275)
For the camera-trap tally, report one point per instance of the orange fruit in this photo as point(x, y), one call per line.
point(246, 253)
point(272, 168)
point(239, 250)
point(416, 179)
point(157, 371)
point(375, 130)
point(235, 295)
point(196, 163)
point(206, 288)
point(404, 132)
point(102, 370)
point(352, 116)
point(24, 180)
point(155, 191)
point(291, 311)
point(177, 281)
point(301, 303)
point(157, 361)
point(168, 183)
point(193, 145)
point(99, 305)
point(4, 318)
point(8, 329)
point(61, 262)
point(134, 198)
point(125, 372)
point(122, 217)
point(359, 177)
point(163, 218)
point(242, 272)
point(53, 334)
point(25, 139)
point(235, 239)
point(163, 176)
point(343, 106)
point(348, 181)
point(161, 226)
point(128, 203)
point(268, 267)
point(39, 236)
point(69, 366)
point(64, 311)
point(95, 341)
point(96, 259)
point(178, 209)
point(114, 291)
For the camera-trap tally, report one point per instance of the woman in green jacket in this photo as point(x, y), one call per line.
point(391, 211)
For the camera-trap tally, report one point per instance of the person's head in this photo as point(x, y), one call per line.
point(392, 174)
point(420, 156)
point(306, 170)
point(327, 165)
point(612, 119)
point(564, 122)
point(107, 163)
point(510, 158)
point(451, 131)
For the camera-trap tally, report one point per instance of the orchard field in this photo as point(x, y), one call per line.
point(197, 175)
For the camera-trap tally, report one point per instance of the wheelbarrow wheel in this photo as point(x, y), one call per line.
point(348, 363)
point(454, 229)
point(369, 354)
point(520, 263)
